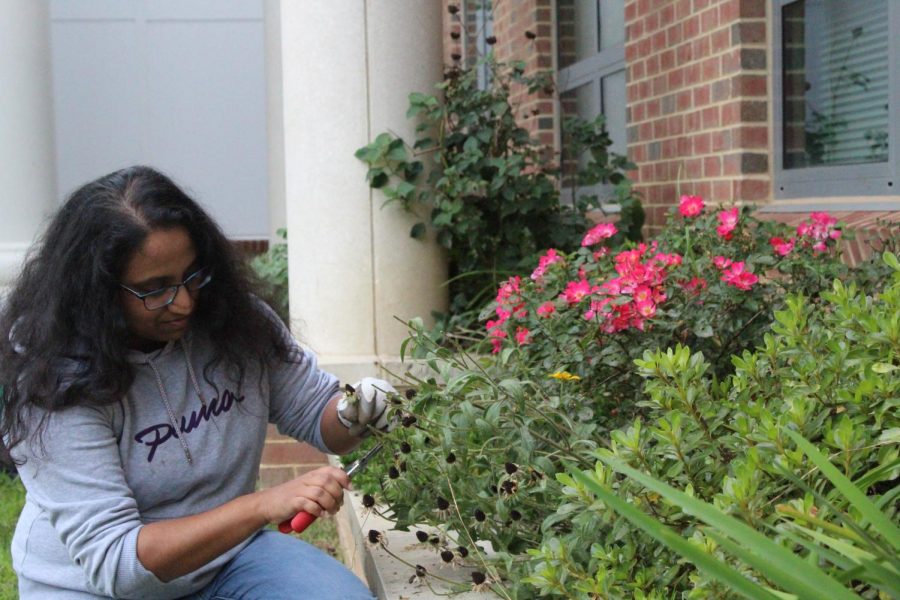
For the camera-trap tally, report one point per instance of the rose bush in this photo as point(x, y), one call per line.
point(482, 439)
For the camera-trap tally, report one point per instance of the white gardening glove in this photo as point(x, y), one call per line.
point(366, 406)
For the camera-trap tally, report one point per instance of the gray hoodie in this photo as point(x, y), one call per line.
point(173, 446)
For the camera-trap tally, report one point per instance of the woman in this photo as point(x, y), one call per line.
point(141, 372)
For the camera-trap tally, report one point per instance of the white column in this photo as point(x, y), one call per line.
point(347, 68)
point(28, 173)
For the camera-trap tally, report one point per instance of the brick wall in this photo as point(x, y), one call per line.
point(697, 101)
point(523, 30)
point(284, 459)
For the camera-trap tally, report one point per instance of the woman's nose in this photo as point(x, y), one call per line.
point(183, 303)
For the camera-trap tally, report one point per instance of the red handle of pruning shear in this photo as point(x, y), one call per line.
point(303, 519)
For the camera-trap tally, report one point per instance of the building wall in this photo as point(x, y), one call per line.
point(698, 105)
point(699, 98)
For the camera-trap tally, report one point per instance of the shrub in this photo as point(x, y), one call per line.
point(481, 442)
point(491, 191)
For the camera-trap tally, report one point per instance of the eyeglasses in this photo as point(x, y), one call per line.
point(164, 296)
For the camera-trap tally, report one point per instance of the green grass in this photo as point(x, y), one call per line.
point(12, 498)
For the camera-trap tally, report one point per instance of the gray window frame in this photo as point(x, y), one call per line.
point(879, 179)
point(590, 71)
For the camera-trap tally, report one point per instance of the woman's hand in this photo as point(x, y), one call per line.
point(315, 492)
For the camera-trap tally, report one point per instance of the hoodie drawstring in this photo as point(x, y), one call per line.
point(165, 399)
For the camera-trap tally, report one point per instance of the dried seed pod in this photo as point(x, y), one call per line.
point(368, 500)
point(451, 458)
point(442, 503)
point(393, 473)
point(530, 35)
point(446, 556)
point(479, 515)
point(411, 393)
point(511, 467)
point(515, 515)
point(422, 536)
point(456, 56)
point(509, 487)
point(452, 9)
point(375, 536)
point(403, 466)
point(478, 577)
point(454, 35)
point(408, 420)
point(434, 540)
point(462, 551)
point(405, 448)
point(420, 571)
point(490, 40)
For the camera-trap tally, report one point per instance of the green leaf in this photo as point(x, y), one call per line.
point(877, 519)
point(418, 231)
point(709, 564)
point(807, 583)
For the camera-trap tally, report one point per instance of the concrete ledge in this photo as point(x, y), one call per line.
point(387, 577)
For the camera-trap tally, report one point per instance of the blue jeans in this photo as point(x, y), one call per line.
point(274, 566)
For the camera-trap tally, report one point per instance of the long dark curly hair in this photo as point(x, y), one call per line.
point(63, 336)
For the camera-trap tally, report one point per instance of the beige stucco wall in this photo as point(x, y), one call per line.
point(346, 71)
point(28, 174)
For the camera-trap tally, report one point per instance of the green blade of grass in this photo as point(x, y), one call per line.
point(889, 580)
point(712, 566)
point(807, 583)
point(867, 509)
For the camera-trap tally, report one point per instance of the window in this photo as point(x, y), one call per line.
point(836, 98)
point(478, 20)
point(590, 36)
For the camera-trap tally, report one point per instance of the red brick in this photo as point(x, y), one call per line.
point(676, 79)
point(658, 41)
point(693, 168)
point(683, 101)
point(751, 189)
point(652, 65)
point(709, 117)
point(667, 60)
point(674, 35)
point(753, 32)
point(753, 9)
point(684, 53)
point(750, 85)
point(701, 96)
point(731, 113)
point(709, 19)
point(720, 40)
point(731, 164)
point(660, 128)
point(691, 27)
point(291, 453)
point(721, 192)
point(712, 166)
point(272, 476)
point(692, 121)
point(710, 68)
point(676, 125)
point(701, 47)
point(693, 74)
point(729, 11)
point(702, 143)
point(721, 140)
point(660, 85)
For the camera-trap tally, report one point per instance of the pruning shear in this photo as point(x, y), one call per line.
point(304, 519)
